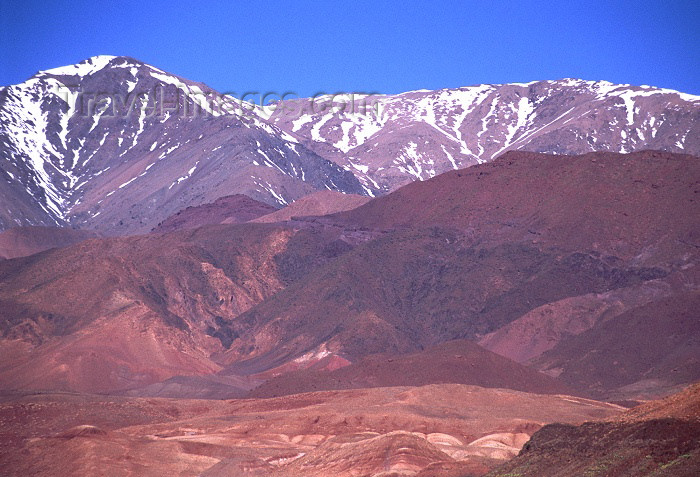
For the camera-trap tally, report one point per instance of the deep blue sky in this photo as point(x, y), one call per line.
point(388, 47)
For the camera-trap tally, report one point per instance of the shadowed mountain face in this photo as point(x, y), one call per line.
point(436, 261)
point(411, 289)
point(660, 345)
point(116, 145)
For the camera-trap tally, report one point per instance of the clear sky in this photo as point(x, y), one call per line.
point(388, 47)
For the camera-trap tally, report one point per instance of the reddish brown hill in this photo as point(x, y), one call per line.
point(461, 259)
point(112, 314)
point(657, 439)
point(24, 241)
point(411, 289)
point(543, 328)
point(319, 203)
point(460, 256)
point(648, 349)
point(626, 205)
point(232, 209)
point(462, 362)
point(682, 405)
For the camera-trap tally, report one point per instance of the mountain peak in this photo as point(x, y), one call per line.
point(78, 141)
point(81, 138)
point(95, 64)
point(84, 68)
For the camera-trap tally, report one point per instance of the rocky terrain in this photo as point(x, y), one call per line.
point(657, 439)
point(115, 145)
point(218, 310)
point(191, 285)
point(436, 429)
point(390, 140)
point(115, 313)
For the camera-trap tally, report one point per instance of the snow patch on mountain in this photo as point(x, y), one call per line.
point(84, 68)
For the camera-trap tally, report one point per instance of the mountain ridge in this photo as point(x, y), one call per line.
point(120, 168)
point(419, 134)
point(116, 145)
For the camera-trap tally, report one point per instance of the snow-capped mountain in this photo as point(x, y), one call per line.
point(117, 145)
point(390, 140)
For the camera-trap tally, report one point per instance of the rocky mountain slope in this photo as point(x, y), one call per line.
point(118, 313)
point(610, 203)
point(116, 145)
point(389, 140)
point(656, 439)
point(616, 232)
point(660, 346)
point(439, 260)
